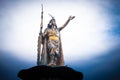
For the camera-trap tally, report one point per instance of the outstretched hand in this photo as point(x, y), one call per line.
point(71, 17)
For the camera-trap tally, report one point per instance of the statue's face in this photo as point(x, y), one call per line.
point(53, 22)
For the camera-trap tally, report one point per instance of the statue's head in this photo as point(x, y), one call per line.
point(52, 23)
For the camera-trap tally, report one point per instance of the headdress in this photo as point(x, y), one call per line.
point(51, 16)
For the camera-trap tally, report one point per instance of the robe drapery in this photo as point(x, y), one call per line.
point(45, 57)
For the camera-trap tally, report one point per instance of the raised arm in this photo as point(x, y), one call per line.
point(65, 24)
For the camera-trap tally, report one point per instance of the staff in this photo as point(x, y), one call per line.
point(40, 39)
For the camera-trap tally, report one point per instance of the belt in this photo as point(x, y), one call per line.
point(53, 38)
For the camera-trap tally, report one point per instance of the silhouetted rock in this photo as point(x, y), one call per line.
point(48, 72)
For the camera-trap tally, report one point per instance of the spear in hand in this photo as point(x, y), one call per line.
point(40, 39)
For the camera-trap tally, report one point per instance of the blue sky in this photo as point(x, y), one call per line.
point(91, 42)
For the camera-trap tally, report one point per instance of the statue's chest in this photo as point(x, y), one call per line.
point(53, 31)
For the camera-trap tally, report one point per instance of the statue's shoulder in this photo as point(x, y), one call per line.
point(46, 29)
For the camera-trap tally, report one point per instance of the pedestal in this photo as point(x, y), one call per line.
point(50, 73)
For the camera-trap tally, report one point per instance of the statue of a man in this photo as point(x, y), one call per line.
point(52, 53)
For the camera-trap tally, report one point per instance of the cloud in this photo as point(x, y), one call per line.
point(84, 37)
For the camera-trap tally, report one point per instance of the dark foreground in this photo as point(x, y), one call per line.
point(50, 73)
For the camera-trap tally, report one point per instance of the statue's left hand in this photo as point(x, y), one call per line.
point(71, 17)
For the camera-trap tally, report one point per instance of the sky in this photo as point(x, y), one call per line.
point(91, 41)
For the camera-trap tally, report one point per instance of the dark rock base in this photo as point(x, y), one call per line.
point(50, 73)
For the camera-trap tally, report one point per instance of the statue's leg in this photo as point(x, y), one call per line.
point(57, 54)
point(52, 57)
